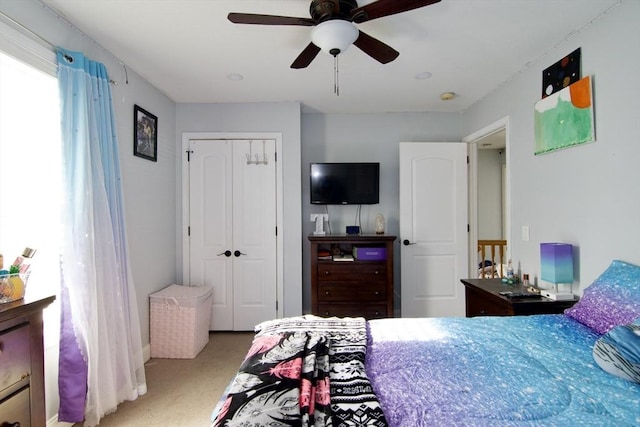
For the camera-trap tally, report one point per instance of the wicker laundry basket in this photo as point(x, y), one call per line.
point(179, 321)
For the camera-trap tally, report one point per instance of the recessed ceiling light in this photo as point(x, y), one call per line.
point(423, 76)
point(235, 77)
point(447, 96)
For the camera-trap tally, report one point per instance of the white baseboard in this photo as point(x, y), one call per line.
point(53, 422)
point(146, 353)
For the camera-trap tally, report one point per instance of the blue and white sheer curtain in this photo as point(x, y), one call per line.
point(101, 362)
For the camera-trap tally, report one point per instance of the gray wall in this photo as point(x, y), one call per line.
point(365, 138)
point(276, 117)
point(490, 193)
point(587, 195)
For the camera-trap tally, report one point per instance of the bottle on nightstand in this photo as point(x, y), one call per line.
point(509, 269)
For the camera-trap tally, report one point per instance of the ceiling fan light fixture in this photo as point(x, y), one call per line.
point(334, 36)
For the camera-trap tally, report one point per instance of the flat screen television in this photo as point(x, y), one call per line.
point(345, 183)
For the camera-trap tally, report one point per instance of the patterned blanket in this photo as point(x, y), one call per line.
point(304, 371)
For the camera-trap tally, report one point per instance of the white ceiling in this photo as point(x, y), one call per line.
point(188, 48)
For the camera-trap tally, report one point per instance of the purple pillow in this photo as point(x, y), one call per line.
point(613, 299)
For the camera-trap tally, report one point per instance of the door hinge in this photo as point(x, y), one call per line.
point(276, 230)
point(276, 305)
point(468, 228)
point(467, 159)
point(189, 155)
point(275, 156)
point(189, 231)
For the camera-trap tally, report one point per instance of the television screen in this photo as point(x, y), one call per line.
point(345, 183)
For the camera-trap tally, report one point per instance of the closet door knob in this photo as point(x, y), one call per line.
point(226, 253)
point(237, 253)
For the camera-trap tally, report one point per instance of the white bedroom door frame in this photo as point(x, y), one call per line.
point(186, 213)
point(472, 142)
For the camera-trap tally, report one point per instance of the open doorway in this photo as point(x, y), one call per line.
point(489, 201)
point(491, 181)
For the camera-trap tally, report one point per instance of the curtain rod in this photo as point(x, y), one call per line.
point(30, 31)
point(54, 47)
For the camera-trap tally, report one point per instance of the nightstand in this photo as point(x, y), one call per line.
point(483, 299)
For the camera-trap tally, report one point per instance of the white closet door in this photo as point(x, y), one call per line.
point(254, 234)
point(233, 230)
point(211, 225)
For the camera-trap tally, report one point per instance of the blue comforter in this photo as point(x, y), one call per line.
point(487, 371)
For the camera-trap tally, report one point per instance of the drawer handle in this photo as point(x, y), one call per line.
point(326, 313)
point(24, 375)
point(376, 293)
point(327, 293)
point(376, 272)
point(326, 272)
point(9, 424)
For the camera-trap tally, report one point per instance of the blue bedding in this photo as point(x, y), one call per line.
point(487, 371)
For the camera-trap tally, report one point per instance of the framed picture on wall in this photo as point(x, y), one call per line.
point(145, 134)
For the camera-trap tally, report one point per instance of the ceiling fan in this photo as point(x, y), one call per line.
point(334, 29)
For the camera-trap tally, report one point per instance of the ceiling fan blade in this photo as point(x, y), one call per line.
point(308, 54)
point(375, 48)
point(382, 8)
point(252, 18)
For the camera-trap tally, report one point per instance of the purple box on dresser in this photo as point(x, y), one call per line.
point(370, 254)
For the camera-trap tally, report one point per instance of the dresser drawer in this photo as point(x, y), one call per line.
point(351, 292)
point(486, 308)
point(352, 272)
point(481, 304)
point(15, 360)
point(368, 311)
point(15, 410)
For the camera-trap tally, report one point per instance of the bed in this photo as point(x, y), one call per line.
point(491, 256)
point(577, 368)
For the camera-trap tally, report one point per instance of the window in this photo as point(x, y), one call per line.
point(30, 173)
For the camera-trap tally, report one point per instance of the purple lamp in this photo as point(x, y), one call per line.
point(556, 261)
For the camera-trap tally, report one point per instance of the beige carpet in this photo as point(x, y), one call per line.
point(183, 392)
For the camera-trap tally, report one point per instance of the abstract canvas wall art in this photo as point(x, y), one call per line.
point(565, 118)
point(561, 74)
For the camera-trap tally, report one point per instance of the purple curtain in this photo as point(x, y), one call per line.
point(72, 377)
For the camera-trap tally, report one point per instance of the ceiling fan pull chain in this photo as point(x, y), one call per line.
point(336, 78)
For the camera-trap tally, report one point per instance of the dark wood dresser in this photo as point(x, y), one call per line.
point(22, 363)
point(483, 299)
point(351, 288)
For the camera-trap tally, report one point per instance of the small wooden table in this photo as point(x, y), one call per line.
point(483, 299)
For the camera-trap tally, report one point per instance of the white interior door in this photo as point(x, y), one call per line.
point(232, 243)
point(433, 228)
point(254, 234)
